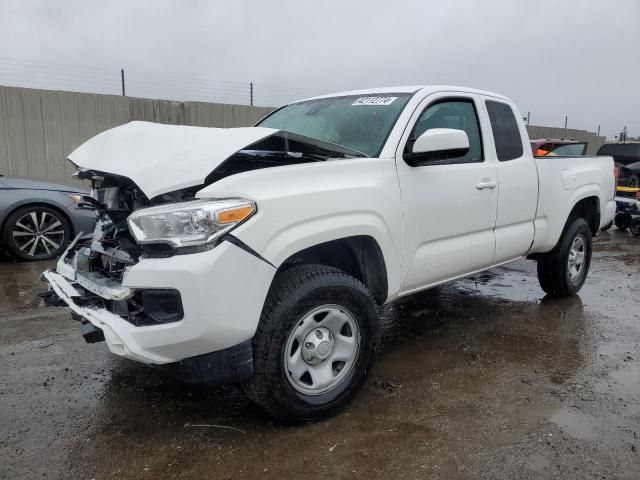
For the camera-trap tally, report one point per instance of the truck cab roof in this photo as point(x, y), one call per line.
point(409, 89)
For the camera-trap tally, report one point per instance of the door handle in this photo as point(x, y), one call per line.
point(486, 184)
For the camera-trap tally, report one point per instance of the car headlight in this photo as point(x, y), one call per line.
point(195, 223)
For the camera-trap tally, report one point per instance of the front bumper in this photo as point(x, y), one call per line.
point(222, 290)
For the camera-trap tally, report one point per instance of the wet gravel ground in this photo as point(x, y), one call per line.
point(482, 378)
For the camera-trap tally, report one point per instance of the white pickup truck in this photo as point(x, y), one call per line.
point(261, 255)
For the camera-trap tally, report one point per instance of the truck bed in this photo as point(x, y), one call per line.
point(562, 182)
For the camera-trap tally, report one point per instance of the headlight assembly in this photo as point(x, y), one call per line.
point(189, 224)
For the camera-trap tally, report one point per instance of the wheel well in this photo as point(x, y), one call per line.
point(589, 209)
point(38, 204)
point(360, 256)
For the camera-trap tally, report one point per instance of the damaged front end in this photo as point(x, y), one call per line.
point(154, 279)
point(96, 267)
point(151, 281)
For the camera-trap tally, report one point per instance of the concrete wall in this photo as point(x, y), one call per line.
point(39, 128)
point(595, 142)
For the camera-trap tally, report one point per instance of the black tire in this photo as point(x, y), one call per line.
point(41, 239)
point(634, 226)
point(607, 227)
point(622, 221)
point(294, 294)
point(634, 181)
point(554, 271)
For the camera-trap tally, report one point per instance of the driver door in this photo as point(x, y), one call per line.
point(449, 206)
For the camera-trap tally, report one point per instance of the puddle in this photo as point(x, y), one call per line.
point(579, 425)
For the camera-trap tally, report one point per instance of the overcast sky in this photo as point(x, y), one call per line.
point(579, 58)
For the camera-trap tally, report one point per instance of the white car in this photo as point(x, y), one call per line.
point(261, 255)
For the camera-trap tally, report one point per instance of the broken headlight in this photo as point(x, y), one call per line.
point(195, 223)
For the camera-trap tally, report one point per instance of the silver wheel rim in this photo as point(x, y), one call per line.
point(38, 233)
point(321, 349)
point(576, 257)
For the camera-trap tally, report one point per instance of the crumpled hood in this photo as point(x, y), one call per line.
point(163, 158)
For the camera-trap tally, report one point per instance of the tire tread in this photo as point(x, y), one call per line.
point(284, 286)
point(552, 265)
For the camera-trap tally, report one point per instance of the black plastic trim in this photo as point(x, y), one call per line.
point(91, 333)
point(170, 251)
point(224, 367)
point(240, 244)
point(152, 305)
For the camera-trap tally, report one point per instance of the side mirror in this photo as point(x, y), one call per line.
point(438, 144)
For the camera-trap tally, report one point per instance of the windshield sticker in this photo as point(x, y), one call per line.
point(375, 101)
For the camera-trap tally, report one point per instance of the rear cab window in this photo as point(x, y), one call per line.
point(506, 134)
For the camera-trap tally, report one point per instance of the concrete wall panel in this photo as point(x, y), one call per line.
point(16, 134)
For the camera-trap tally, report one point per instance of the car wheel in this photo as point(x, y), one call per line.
point(36, 232)
point(622, 221)
point(315, 344)
point(634, 226)
point(563, 270)
point(634, 181)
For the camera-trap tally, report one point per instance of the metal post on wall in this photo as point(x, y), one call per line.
point(528, 118)
point(598, 130)
point(251, 94)
point(122, 77)
point(565, 126)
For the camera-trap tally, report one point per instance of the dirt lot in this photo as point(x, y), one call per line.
point(483, 378)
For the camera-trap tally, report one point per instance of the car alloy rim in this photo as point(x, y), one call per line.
point(38, 233)
point(576, 257)
point(322, 349)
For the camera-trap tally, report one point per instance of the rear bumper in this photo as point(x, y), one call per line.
point(222, 291)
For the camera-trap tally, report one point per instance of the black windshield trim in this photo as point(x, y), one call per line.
point(322, 147)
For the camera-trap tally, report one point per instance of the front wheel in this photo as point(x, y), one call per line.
point(634, 226)
point(315, 344)
point(563, 270)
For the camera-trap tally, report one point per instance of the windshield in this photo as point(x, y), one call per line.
point(358, 122)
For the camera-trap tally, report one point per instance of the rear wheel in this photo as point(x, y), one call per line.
point(622, 221)
point(634, 226)
point(36, 232)
point(563, 270)
point(315, 344)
